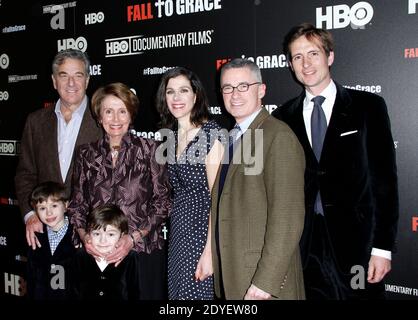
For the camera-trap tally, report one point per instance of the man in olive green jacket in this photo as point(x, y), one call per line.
point(257, 199)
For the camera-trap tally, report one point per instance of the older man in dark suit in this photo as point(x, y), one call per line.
point(350, 181)
point(51, 135)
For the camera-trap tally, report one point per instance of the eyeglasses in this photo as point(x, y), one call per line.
point(242, 87)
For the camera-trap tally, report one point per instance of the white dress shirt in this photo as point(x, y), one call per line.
point(67, 135)
point(247, 122)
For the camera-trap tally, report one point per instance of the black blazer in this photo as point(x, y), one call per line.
point(356, 175)
point(88, 282)
point(39, 264)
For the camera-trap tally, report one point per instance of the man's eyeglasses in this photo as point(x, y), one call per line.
point(242, 87)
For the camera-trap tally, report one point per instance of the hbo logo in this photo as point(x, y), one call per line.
point(92, 18)
point(342, 15)
point(8, 148)
point(4, 95)
point(117, 47)
point(80, 43)
point(4, 61)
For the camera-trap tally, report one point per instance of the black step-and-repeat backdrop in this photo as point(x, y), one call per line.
point(136, 41)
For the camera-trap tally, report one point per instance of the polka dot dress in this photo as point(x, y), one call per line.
point(190, 218)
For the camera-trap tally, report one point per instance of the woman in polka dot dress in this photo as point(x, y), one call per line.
point(194, 159)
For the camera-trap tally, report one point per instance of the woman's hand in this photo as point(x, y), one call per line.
point(122, 248)
point(204, 266)
point(90, 248)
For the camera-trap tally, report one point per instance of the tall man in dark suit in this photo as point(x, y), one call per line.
point(350, 180)
point(257, 198)
point(51, 135)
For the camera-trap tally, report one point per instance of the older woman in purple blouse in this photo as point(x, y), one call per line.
point(122, 169)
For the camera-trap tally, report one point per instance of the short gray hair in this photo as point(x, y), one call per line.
point(61, 56)
point(243, 63)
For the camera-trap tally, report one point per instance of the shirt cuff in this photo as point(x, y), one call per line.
point(28, 215)
point(382, 253)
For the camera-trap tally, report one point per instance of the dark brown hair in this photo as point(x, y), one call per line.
point(108, 214)
point(200, 112)
point(48, 189)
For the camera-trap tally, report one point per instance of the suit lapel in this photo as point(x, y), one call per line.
point(87, 123)
point(299, 127)
point(50, 142)
point(340, 119)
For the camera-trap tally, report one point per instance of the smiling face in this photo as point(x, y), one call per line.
point(242, 104)
point(105, 239)
point(311, 64)
point(71, 82)
point(51, 212)
point(115, 118)
point(180, 97)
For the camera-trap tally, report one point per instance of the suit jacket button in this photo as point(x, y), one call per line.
point(320, 172)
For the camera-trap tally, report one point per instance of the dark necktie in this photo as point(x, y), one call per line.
point(318, 130)
point(318, 126)
point(224, 169)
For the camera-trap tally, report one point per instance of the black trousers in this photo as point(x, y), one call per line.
point(153, 275)
point(324, 280)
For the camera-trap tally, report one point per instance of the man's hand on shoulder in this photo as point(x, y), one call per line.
point(33, 224)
